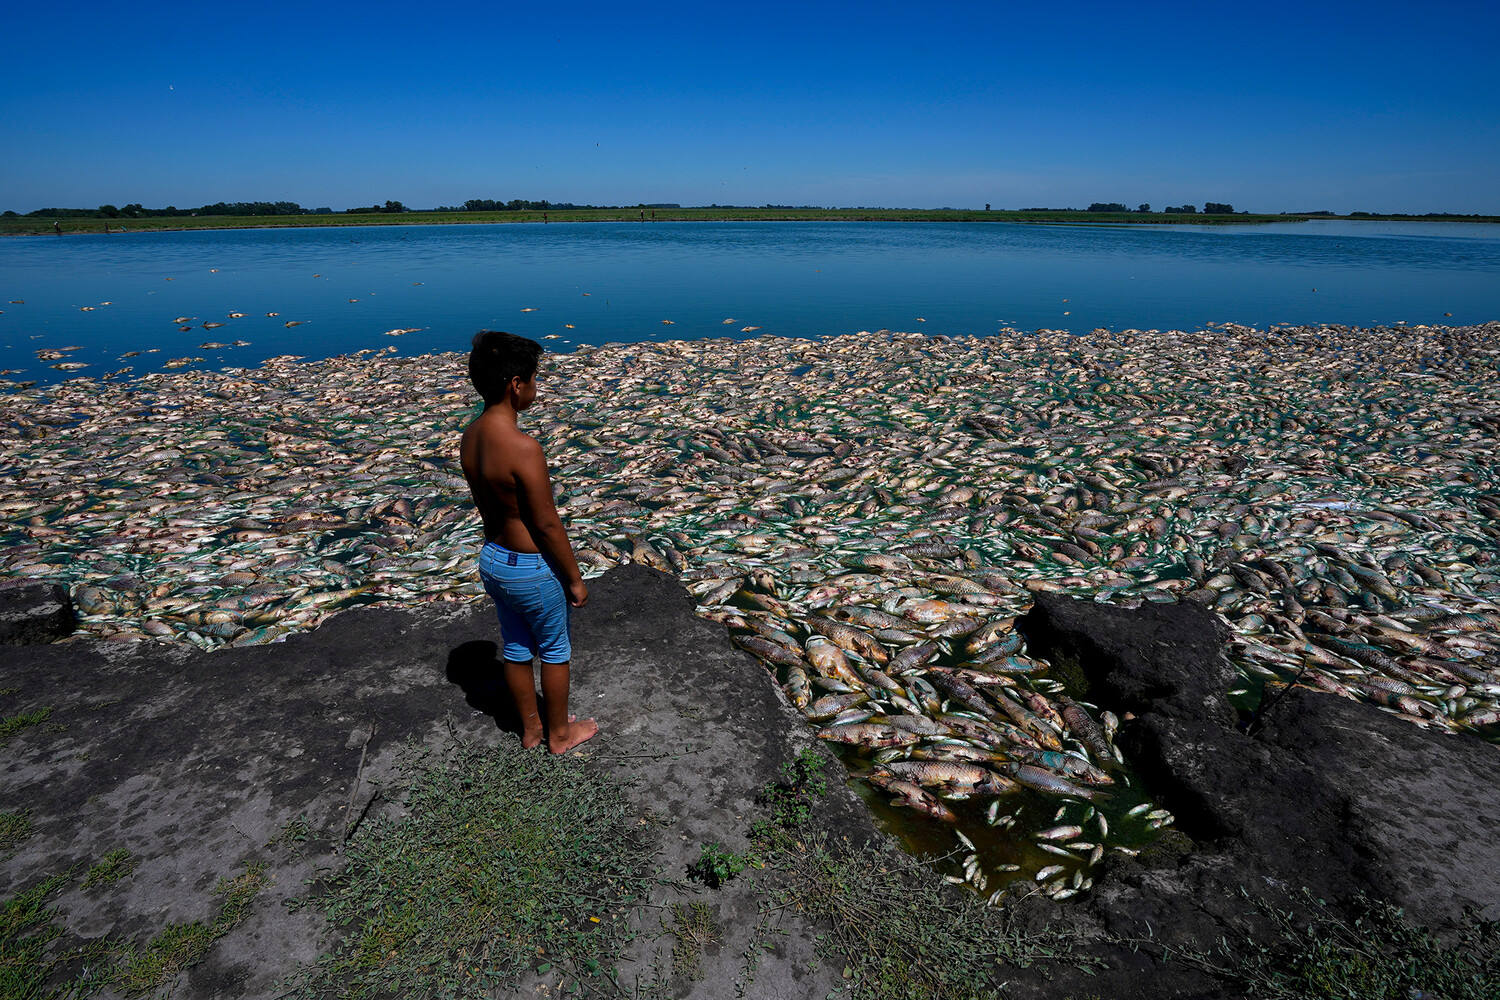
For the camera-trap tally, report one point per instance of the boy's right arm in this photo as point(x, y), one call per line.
point(534, 497)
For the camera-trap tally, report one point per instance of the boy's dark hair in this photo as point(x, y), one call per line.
point(497, 358)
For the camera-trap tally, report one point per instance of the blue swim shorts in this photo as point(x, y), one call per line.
point(532, 604)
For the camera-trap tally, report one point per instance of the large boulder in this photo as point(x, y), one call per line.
point(1329, 794)
point(35, 613)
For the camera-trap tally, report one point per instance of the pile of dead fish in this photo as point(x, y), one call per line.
point(867, 513)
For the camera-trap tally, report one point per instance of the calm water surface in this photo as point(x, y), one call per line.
point(620, 281)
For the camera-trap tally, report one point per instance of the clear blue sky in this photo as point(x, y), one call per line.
point(1270, 106)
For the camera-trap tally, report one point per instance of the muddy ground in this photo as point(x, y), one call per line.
point(198, 762)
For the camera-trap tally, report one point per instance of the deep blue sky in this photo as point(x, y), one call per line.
point(1270, 106)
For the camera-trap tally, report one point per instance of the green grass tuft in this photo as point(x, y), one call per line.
point(26, 929)
point(694, 928)
point(111, 868)
point(506, 860)
point(175, 948)
point(238, 893)
point(179, 946)
point(15, 827)
point(14, 724)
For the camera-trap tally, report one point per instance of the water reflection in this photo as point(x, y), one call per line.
point(598, 282)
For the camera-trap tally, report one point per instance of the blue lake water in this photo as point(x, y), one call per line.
point(620, 281)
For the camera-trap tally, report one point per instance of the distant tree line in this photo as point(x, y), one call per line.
point(522, 205)
point(1412, 215)
point(390, 206)
point(137, 211)
point(1209, 208)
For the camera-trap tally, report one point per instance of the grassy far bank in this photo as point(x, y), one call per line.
point(35, 226)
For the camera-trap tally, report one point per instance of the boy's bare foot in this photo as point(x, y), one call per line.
point(532, 738)
point(577, 732)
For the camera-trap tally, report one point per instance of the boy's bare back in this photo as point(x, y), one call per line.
point(507, 475)
point(506, 471)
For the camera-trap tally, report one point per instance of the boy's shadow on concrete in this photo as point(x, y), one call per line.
point(476, 668)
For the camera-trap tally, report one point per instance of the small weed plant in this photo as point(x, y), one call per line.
point(717, 865)
point(789, 803)
point(293, 835)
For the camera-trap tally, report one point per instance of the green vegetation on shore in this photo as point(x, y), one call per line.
point(32, 966)
point(13, 724)
point(895, 929)
point(97, 224)
point(1378, 955)
point(507, 861)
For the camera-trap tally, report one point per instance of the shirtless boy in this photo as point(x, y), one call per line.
point(526, 564)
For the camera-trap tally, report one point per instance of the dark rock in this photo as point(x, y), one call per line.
point(35, 613)
point(1414, 812)
point(1331, 795)
point(1162, 658)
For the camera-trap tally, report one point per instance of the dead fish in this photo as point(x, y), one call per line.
point(869, 734)
point(913, 797)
